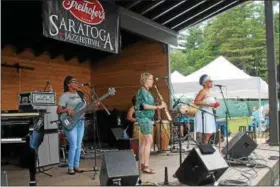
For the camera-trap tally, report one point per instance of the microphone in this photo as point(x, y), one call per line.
point(159, 78)
point(219, 85)
point(86, 84)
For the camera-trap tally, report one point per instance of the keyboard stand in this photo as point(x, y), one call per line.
point(42, 170)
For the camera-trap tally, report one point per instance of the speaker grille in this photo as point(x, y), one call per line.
point(241, 145)
point(119, 165)
point(196, 168)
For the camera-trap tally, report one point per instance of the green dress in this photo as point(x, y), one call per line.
point(145, 118)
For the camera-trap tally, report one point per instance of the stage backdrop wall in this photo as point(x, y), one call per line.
point(54, 71)
point(121, 71)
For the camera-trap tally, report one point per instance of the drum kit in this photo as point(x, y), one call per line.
point(184, 123)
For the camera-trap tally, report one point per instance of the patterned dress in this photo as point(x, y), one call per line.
point(145, 118)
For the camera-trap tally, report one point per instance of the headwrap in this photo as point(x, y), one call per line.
point(203, 79)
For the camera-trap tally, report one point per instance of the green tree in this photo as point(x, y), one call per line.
point(179, 62)
point(195, 54)
point(194, 39)
point(238, 34)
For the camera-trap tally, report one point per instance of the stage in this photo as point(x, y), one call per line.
point(258, 176)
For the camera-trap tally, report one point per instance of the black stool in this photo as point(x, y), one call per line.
point(242, 128)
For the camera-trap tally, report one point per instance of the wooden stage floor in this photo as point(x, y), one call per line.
point(259, 176)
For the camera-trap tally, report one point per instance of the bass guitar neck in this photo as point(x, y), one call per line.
point(69, 122)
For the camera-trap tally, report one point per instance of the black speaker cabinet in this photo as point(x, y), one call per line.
point(198, 169)
point(115, 135)
point(117, 132)
point(118, 168)
point(129, 143)
point(241, 145)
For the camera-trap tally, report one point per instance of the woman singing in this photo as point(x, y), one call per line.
point(207, 103)
point(144, 111)
point(67, 103)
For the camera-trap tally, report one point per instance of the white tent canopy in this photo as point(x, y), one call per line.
point(177, 77)
point(238, 83)
point(218, 69)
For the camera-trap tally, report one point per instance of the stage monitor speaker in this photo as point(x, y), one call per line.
point(199, 169)
point(129, 143)
point(241, 145)
point(116, 134)
point(118, 168)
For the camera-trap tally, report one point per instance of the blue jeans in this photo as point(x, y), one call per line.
point(75, 137)
point(36, 139)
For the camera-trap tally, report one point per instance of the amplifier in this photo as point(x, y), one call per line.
point(36, 100)
point(48, 153)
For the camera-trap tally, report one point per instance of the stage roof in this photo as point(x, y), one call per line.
point(158, 20)
point(178, 14)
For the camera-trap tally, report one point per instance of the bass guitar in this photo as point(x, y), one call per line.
point(70, 121)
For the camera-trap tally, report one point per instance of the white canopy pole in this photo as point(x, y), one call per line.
point(260, 102)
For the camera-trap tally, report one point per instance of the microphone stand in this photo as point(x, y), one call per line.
point(95, 133)
point(202, 113)
point(227, 116)
point(172, 149)
point(47, 84)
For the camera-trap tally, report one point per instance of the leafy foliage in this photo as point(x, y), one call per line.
point(237, 34)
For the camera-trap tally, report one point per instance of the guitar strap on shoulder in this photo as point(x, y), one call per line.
point(81, 94)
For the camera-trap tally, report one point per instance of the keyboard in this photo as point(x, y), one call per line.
point(12, 140)
point(33, 114)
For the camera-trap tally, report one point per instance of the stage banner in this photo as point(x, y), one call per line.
point(89, 23)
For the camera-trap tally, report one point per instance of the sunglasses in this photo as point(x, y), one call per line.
point(73, 81)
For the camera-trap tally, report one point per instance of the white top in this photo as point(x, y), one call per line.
point(209, 120)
